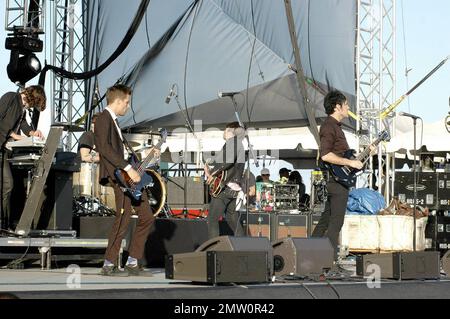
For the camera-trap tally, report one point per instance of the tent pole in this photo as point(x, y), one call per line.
point(300, 73)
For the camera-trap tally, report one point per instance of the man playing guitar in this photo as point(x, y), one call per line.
point(225, 180)
point(333, 145)
point(110, 145)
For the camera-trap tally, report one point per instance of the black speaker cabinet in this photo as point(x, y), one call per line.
point(302, 256)
point(427, 195)
point(216, 267)
point(56, 212)
point(171, 236)
point(230, 243)
point(443, 191)
point(401, 265)
point(438, 230)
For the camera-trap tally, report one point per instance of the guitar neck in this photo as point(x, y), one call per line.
point(144, 164)
point(364, 154)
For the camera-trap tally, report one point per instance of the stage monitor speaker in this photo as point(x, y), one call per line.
point(217, 267)
point(446, 263)
point(302, 256)
point(231, 243)
point(401, 265)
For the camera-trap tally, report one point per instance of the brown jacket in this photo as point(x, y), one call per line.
point(109, 146)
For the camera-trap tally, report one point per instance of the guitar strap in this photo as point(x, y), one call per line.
point(127, 145)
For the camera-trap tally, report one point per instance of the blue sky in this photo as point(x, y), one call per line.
point(427, 34)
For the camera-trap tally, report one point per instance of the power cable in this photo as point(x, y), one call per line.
point(122, 46)
point(197, 5)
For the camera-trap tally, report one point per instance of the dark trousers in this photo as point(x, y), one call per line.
point(332, 219)
point(120, 227)
point(6, 184)
point(224, 203)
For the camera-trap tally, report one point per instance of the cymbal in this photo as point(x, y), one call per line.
point(69, 127)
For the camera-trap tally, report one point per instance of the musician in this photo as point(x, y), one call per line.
point(333, 144)
point(86, 145)
point(110, 144)
point(13, 107)
point(230, 160)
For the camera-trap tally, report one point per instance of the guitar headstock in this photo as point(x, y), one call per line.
point(384, 136)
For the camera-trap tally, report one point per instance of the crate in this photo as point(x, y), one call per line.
point(362, 233)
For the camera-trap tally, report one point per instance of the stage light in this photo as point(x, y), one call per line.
point(22, 68)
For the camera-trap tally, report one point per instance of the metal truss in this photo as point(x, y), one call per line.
point(68, 52)
point(375, 77)
point(26, 16)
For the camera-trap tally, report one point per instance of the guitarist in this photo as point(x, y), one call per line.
point(333, 145)
point(230, 161)
point(111, 147)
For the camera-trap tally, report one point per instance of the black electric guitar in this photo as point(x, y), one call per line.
point(346, 175)
point(134, 190)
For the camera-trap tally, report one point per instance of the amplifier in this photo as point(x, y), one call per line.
point(427, 194)
point(292, 225)
point(277, 226)
point(216, 267)
point(401, 265)
point(443, 182)
point(288, 225)
point(259, 224)
point(438, 230)
point(195, 195)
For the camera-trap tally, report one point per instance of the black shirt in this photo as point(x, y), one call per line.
point(86, 140)
point(11, 116)
point(231, 159)
point(332, 138)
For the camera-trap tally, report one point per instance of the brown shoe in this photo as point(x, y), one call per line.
point(113, 271)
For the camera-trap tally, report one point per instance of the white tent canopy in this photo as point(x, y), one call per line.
point(435, 138)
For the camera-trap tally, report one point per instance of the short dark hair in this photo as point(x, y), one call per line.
point(233, 125)
point(331, 100)
point(117, 91)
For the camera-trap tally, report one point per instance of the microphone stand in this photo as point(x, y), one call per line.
point(415, 184)
point(188, 126)
point(252, 154)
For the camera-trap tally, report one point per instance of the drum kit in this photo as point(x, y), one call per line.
point(92, 199)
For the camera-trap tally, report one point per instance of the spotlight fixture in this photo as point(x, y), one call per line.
point(22, 68)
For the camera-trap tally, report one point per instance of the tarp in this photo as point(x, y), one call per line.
point(223, 45)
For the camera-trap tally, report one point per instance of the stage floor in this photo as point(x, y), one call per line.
point(60, 284)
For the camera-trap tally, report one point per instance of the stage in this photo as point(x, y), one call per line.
point(55, 284)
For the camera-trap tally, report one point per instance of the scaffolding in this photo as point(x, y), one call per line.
point(68, 52)
point(375, 82)
point(25, 16)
